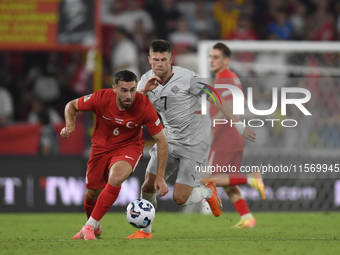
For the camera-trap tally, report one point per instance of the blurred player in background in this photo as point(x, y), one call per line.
point(227, 146)
point(176, 96)
point(117, 144)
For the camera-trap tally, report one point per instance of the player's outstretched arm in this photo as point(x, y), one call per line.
point(151, 84)
point(162, 152)
point(227, 111)
point(71, 110)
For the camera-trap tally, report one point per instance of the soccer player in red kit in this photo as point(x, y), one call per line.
point(117, 144)
point(227, 146)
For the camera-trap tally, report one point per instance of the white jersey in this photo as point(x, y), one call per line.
point(178, 102)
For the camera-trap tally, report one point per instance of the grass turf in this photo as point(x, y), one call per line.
point(174, 233)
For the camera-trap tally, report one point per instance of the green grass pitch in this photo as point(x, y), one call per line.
point(174, 233)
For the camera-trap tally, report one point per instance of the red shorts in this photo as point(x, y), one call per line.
point(101, 160)
point(223, 161)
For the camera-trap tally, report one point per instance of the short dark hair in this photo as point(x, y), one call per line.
point(124, 75)
point(160, 46)
point(224, 48)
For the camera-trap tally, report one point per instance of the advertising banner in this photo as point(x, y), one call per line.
point(47, 24)
point(57, 184)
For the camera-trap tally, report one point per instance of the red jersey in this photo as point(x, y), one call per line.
point(115, 128)
point(226, 138)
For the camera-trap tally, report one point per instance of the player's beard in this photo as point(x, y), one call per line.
point(123, 103)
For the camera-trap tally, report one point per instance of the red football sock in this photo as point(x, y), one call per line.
point(241, 207)
point(237, 179)
point(88, 206)
point(105, 201)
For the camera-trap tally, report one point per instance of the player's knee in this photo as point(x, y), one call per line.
point(91, 194)
point(116, 180)
point(180, 199)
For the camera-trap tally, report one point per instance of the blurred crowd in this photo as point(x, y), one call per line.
point(35, 86)
point(186, 22)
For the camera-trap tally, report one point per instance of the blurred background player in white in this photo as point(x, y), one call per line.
point(227, 146)
point(6, 106)
point(117, 144)
point(175, 94)
point(125, 53)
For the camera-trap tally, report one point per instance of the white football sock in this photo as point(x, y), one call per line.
point(152, 198)
point(247, 216)
point(93, 223)
point(198, 194)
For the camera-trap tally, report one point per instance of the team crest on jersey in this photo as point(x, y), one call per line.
point(87, 97)
point(130, 124)
point(175, 89)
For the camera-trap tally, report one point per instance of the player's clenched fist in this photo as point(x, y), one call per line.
point(66, 131)
point(249, 134)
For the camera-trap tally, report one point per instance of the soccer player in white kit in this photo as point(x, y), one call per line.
point(176, 96)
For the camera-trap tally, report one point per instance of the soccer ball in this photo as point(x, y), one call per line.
point(140, 213)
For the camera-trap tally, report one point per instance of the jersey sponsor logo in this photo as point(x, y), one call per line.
point(106, 117)
point(87, 97)
point(129, 157)
point(175, 89)
point(130, 124)
point(119, 121)
point(157, 122)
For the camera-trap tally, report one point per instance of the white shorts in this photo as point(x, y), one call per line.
point(185, 159)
